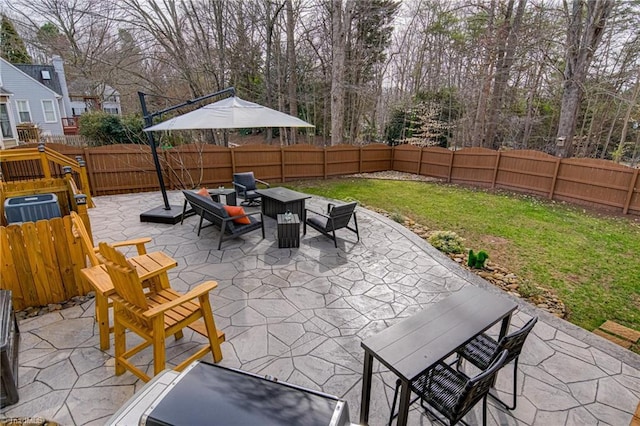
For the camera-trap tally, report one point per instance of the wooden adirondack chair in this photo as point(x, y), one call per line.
point(151, 267)
point(156, 315)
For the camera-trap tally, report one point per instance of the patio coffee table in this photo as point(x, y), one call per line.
point(279, 200)
point(411, 347)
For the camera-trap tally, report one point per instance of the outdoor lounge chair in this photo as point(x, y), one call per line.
point(215, 213)
point(153, 272)
point(482, 350)
point(245, 185)
point(155, 315)
point(337, 217)
point(451, 393)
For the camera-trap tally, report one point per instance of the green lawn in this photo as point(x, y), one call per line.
point(591, 261)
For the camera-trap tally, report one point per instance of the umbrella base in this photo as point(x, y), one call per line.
point(161, 215)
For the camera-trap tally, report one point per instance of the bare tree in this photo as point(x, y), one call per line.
point(340, 25)
point(292, 85)
point(587, 22)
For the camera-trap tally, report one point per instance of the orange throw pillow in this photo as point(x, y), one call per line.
point(203, 191)
point(237, 211)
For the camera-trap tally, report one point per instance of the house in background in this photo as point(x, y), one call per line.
point(7, 124)
point(89, 96)
point(39, 101)
point(33, 102)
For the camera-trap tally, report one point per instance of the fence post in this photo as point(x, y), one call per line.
point(88, 175)
point(453, 153)
point(360, 160)
point(495, 170)
point(44, 162)
point(324, 162)
point(233, 161)
point(555, 178)
point(632, 186)
point(419, 161)
point(282, 164)
point(393, 157)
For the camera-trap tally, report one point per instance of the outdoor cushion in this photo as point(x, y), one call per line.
point(216, 213)
point(237, 211)
point(318, 221)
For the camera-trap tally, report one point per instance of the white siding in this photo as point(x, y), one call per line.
point(25, 88)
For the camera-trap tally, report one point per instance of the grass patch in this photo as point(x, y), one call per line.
point(592, 262)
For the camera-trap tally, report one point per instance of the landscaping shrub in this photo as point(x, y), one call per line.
point(477, 260)
point(447, 241)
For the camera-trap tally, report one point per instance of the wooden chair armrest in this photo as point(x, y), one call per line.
point(138, 242)
point(200, 290)
point(155, 273)
point(263, 182)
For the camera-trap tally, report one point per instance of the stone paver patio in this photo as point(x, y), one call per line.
point(300, 314)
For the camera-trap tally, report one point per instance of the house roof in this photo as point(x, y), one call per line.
point(4, 91)
point(35, 72)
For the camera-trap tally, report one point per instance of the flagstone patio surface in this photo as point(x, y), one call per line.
point(300, 315)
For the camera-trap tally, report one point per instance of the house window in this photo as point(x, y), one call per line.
point(5, 123)
point(49, 111)
point(113, 111)
point(24, 113)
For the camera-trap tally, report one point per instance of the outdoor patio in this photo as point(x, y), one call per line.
point(300, 314)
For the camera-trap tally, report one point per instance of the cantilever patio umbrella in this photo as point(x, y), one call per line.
point(229, 113)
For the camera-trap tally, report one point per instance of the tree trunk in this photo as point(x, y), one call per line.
point(291, 62)
point(583, 36)
point(633, 103)
point(479, 122)
point(508, 39)
point(340, 20)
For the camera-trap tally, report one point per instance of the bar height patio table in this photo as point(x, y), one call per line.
point(417, 343)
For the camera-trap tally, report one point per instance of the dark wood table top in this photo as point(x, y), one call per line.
point(418, 342)
point(283, 195)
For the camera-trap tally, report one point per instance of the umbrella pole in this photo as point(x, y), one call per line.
point(167, 213)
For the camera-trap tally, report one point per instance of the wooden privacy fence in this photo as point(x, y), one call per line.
point(583, 181)
point(119, 169)
point(41, 262)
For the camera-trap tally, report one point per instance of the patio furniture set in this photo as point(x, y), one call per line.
point(417, 350)
point(287, 207)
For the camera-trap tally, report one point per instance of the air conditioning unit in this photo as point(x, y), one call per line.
point(31, 208)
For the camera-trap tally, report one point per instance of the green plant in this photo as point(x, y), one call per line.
point(396, 217)
point(105, 129)
point(477, 260)
point(447, 241)
point(527, 290)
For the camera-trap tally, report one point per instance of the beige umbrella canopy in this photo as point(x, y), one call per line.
point(230, 113)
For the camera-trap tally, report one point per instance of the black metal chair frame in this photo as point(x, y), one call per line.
point(246, 189)
point(443, 383)
point(336, 219)
point(217, 215)
point(483, 349)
